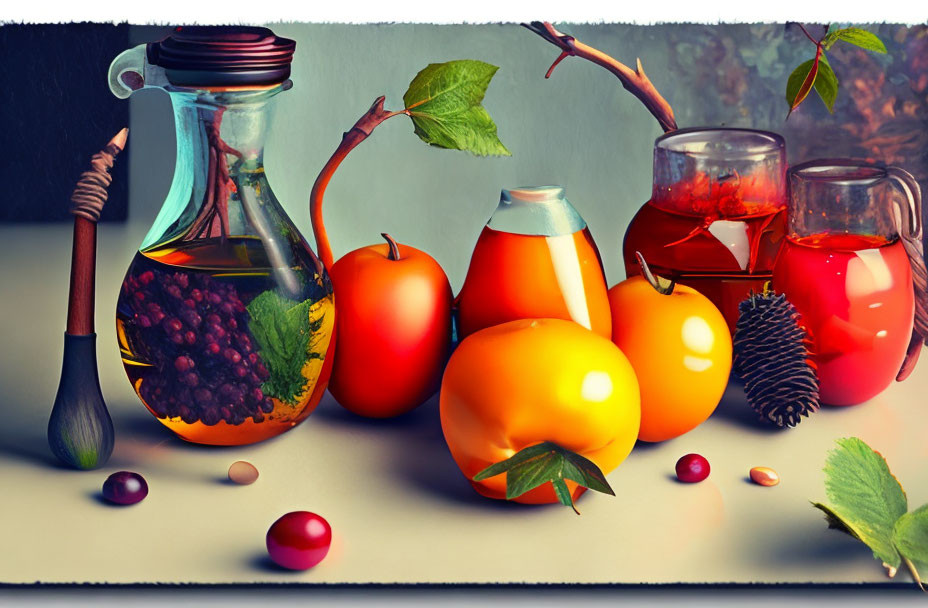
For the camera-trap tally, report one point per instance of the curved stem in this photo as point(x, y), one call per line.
point(635, 81)
point(358, 133)
point(806, 32)
point(653, 280)
point(394, 248)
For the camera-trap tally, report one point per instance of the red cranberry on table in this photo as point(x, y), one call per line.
point(299, 540)
point(125, 488)
point(692, 468)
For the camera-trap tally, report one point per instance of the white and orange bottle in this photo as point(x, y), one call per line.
point(534, 259)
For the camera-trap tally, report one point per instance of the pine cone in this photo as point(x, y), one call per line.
point(771, 356)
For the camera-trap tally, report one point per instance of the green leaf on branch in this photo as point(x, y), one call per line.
point(812, 74)
point(858, 37)
point(866, 500)
point(800, 82)
point(443, 101)
point(536, 465)
point(910, 536)
point(826, 84)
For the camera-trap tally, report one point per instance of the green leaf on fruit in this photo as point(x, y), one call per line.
point(443, 101)
point(857, 37)
point(283, 330)
point(546, 462)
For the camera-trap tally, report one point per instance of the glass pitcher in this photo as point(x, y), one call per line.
point(535, 258)
point(846, 269)
point(716, 217)
point(225, 316)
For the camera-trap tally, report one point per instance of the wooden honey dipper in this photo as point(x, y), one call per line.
point(80, 430)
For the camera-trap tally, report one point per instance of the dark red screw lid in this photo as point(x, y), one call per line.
point(217, 56)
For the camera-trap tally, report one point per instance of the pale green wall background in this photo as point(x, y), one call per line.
point(579, 129)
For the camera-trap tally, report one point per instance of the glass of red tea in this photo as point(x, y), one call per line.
point(846, 270)
point(716, 217)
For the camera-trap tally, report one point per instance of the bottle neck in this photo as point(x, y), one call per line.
point(230, 123)
point(220, 147)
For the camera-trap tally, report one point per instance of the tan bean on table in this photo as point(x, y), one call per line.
point(243, 473)
point(764, 476)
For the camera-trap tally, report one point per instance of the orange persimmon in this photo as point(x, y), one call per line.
point(680, 347)
point(531, 381)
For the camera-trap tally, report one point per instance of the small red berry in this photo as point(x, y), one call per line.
point(692, 468)
point(299, 540)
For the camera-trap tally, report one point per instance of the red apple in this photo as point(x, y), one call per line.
point(392, 327)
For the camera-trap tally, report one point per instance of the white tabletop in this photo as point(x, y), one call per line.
point(400, 510)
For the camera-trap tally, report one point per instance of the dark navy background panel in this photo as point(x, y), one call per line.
point(57, 111)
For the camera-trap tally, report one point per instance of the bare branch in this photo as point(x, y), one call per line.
point(634, 81)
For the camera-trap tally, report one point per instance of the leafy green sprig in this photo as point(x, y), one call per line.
point(868, 503)
point(816, 73)
point(444, 103)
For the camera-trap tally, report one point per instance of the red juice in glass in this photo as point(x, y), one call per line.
point(845, 266)
point(716, 218)
point(855, 298)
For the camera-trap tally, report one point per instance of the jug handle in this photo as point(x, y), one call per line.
point(127, 71)
point(910, 230)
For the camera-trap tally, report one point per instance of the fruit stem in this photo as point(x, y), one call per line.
point(394, 248)
point(358, 133)
point(662, 288)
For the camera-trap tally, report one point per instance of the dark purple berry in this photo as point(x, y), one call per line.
point(125, 488)
point(183, 363)
point(210, 416)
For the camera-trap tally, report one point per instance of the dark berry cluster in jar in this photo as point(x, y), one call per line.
point(193, 330)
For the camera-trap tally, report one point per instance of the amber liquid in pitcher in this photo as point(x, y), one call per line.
point(215, 348)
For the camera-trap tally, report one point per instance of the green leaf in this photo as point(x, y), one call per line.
point(538, 464)
point(829, 40)
point(826, 84)
point(866, 500)
point(800, 82)
point(283, 329)
point(443, 101)
point(910, 536)
point(861, 38)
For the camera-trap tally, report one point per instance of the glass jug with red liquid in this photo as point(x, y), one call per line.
point(716, 217)
point(535, 258)
point(845, 268)
point(225, 316)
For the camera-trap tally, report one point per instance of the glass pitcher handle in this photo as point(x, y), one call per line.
point(130, 71)
point(910, 230)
